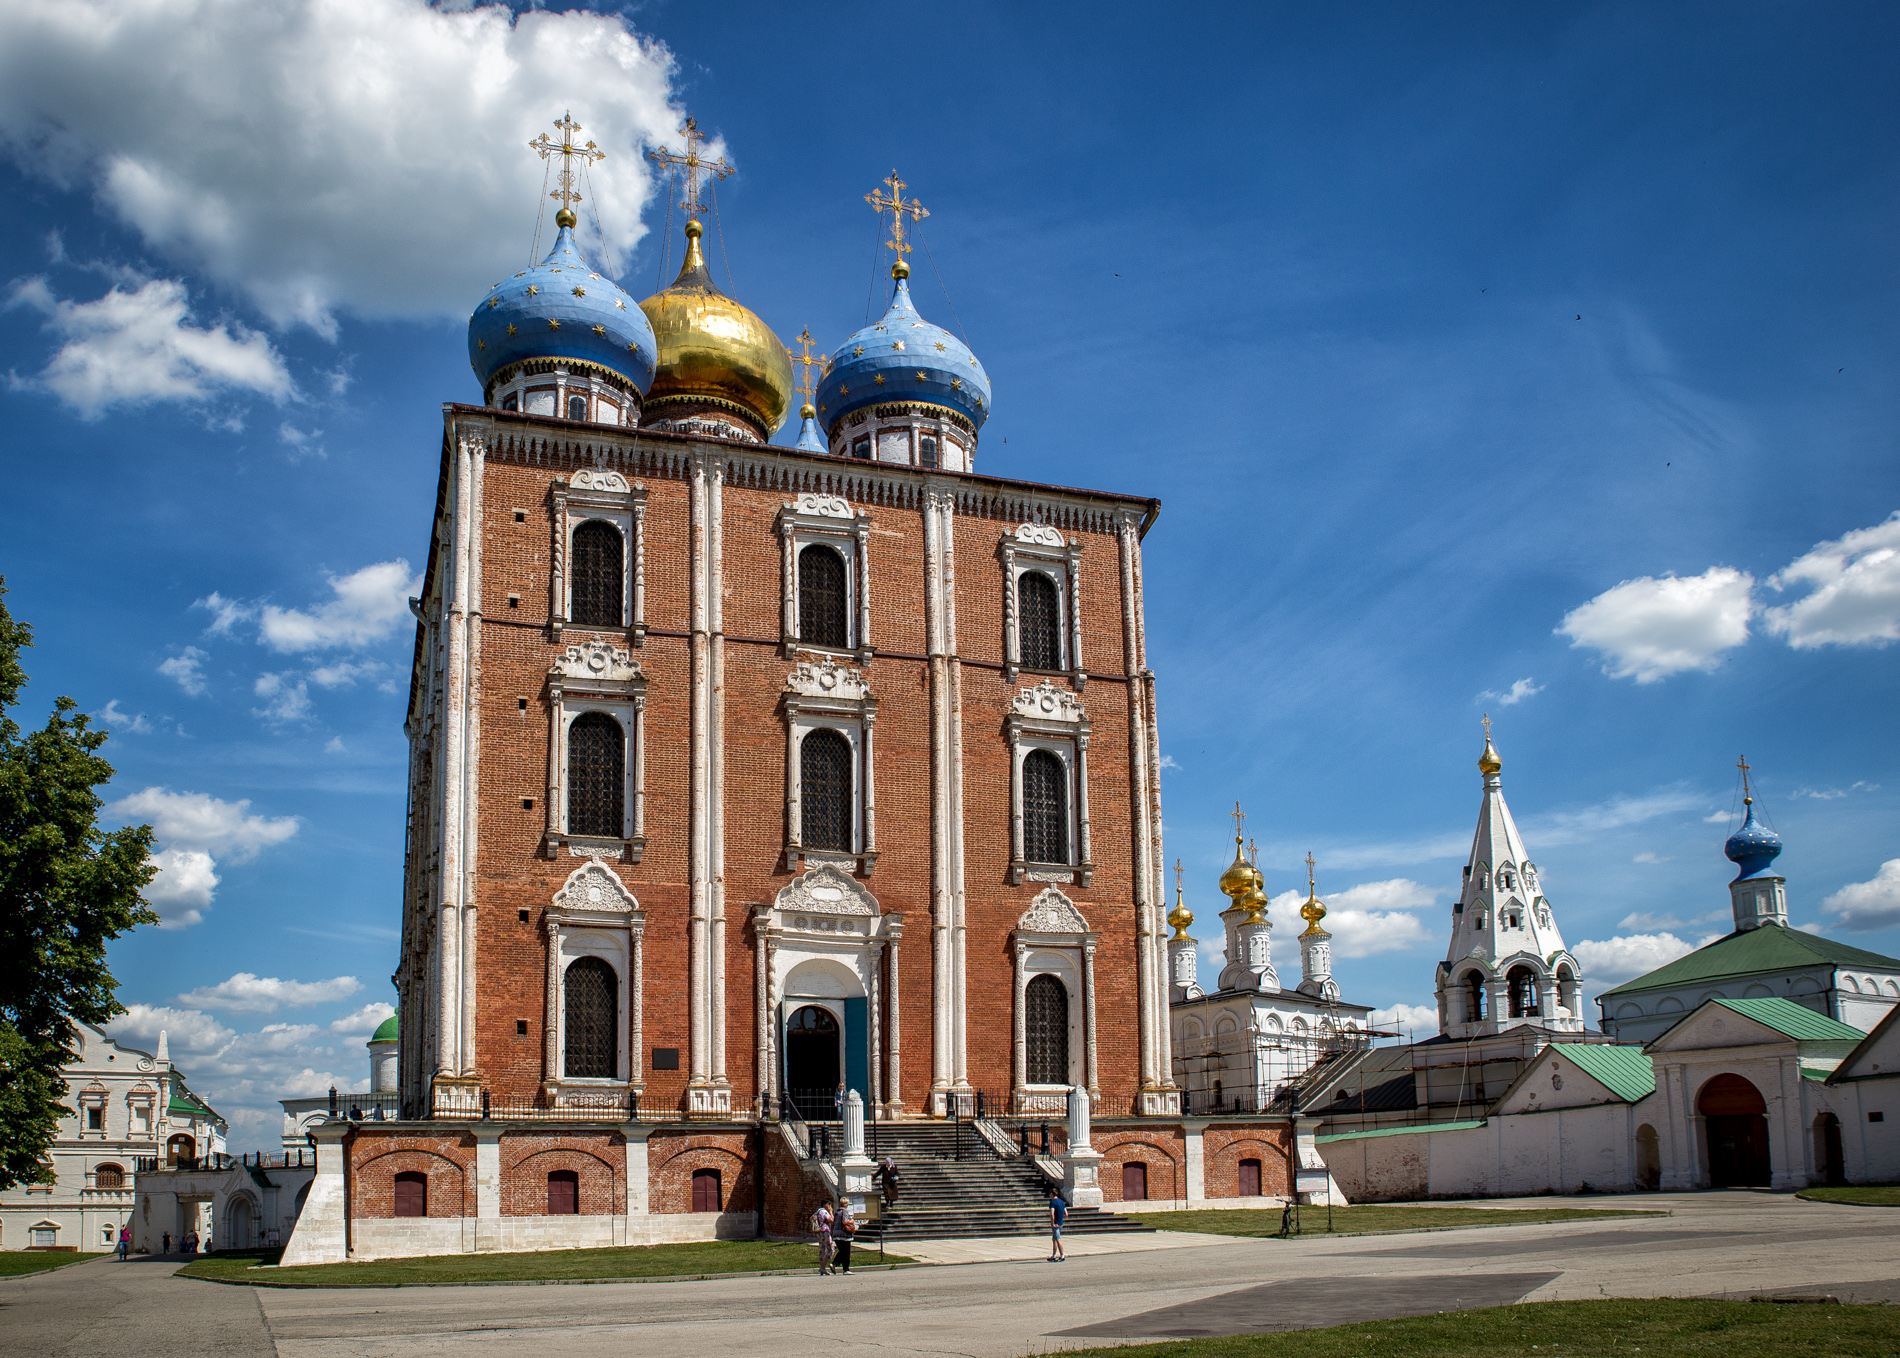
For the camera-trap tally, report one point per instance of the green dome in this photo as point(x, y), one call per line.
point(386, 1033)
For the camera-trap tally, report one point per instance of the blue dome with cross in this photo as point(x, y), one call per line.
point(562, 309)
point(1753, 847)
point(903, 358)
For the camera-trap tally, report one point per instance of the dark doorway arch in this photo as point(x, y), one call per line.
point(814, 1065)
point(1735, 1120)
point(1648, 1158)
point(1474, 997)
point(1827, 1150)
point(1522, 983)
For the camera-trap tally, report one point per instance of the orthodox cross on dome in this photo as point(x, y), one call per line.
point(1240, 821)
point(893, 203)
point(569, 153)
point(693, 164)
point(1748, 797)
point(1309, 872)
point(804, 386)
point(1177, 879)
point(1487, 728)
point(1253, 853)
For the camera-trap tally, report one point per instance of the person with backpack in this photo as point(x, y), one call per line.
point(1058, 1213)
point(844, 1227)
point(821, 1227)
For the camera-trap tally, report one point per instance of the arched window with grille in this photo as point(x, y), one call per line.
point(577, 407)
point(598, 573)
point(822, 600)
point(824, 793)
point(592, 1046)
point(1522, 983)
point(109, 1176)
point(596, 776)
point(1046, 1030)
point(1045, 808)
point(1039, 621)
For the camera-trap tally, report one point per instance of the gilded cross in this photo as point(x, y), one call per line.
point(1741, 763)
point(1487, 728)
point(1177, 879)
point(568, 152)
point(1309, 872)
point(1240, 820)
point(807, 360)
point(893, 203)
point(1253, 853)
point(694, 164)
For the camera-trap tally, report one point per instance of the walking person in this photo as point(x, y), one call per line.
point(1058, 1213)
point(125, 1242)
point(844, 1226)
point(166, 1246)
point(887, 1175)
point(821, 1227)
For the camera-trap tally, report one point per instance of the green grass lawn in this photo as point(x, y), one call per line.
point(642, 1261)
point(15, 1262)
point(1861, 1195)
point(1374, 1218)
point(1570, 1329)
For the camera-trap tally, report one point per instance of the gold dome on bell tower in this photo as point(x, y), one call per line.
point(714, 353)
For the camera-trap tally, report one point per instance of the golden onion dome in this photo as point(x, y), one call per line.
point(1488, 762)
point(1180, 917)
point(1254, 900)
point(713, 351)
point(1241, 876)
point(1313, 911)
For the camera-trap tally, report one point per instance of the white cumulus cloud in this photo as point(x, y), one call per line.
point(132, 723)
point(1874, 904)
point(334, 155)
point(365, 1020)
point(193, 831)
point(1516, 693)
point(1612, 961)
point(368, 605)
point(1418, 1021)
point(1366, 919)
point(187, 1031)
point(1855, 598)
point(1650, 628)
point(186, 669)
point(244, 993)
point(286, 698)
point(137, 344)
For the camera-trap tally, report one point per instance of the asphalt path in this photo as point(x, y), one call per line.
point(1716, 1244)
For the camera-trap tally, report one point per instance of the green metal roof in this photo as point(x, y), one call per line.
point(188, 1103)
point(1797, 1021)
point(387, 1032)
point(1769, 948)
point(1403, 1131)
point(1625, 1071)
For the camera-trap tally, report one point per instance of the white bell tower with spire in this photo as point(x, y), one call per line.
point(1507, 965)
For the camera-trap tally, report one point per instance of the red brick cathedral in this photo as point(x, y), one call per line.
point(748, 777)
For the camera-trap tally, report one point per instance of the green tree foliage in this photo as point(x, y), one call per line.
point(66, 890)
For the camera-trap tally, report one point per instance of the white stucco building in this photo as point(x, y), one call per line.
point(127, 1106)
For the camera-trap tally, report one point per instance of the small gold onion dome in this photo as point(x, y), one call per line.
point(566, 217)
point(1254, 900)
point(1180, 917)
point(1241, 876)
point(806, 412)
point(1313, 911)
point(1488, 762)
point(713, 350)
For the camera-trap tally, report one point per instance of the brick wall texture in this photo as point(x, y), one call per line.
point(514, 875)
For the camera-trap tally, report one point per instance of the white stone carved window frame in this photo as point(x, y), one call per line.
point(94, 1095)
point(1052, 938)
point(599, 494)
point(823, 696)
point(1049, 718)
point(830, 521)
point(1037, 547)
point(597, 676)
point(143, 1099)
point(826, 915)
point(595, 915)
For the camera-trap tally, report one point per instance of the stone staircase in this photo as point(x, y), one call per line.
point(943, 1197)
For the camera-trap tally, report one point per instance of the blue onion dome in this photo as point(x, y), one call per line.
point(904, 358)
point(809, 439)
point(1753, 847)
point(565, 310)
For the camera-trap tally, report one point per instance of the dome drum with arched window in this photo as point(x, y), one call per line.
point(904, 391)
point(562, 332)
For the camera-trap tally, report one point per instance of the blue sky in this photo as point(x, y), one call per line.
point(1531, 359)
